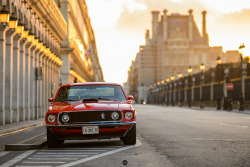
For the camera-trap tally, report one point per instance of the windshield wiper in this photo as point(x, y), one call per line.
point(97, 99)
point(72, 100)
point(93, 99)
point(106, 99)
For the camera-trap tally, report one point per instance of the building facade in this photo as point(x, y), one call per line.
point(78, 50)
point(34, 37)
point(174, 45)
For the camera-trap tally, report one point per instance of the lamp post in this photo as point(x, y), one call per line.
point(179, 93)
point(173, 86)
point(241, 100)
point(227, 99)
point(218, 79)
point(167, 93)
point(189, 75)
point(202, 67)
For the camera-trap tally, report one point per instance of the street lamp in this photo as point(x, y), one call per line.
point(20, 27)
point(218, 79)
point(202, 67)
point(179, 84)
point(173, 86)
point(241, 106)
point(190, 70)
point(189, 74)
point(218, 60)
point(4, 15)
point(13, 21)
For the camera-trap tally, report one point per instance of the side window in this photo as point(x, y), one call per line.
point(62, 94)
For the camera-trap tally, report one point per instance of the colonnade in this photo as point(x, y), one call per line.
point(24, 96)
point(29, 59)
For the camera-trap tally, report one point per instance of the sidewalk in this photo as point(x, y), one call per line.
point(214, 109)
point(11, 128)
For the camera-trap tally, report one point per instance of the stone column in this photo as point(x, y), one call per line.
point(174, 93)
point(9, 76)
point(27, 81)
point(32, 82)
point(165, 26)
point(40, 88)
point(204, 27)
point(16, 80)
point(36, 83)
point(46, 82)
point(49, 78)
point(190, 25)
point(52, 79)
point(212, 86)
point(22, 91)
point(44, 107)
point(2, 73)
point(155, 22)
point(185, 90)
point(192, 92)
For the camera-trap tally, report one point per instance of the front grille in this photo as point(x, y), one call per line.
point(90, 116)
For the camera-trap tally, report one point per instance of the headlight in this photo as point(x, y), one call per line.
point(128, 115)
point(114, 115)
point(51, 118)
point(65, 118)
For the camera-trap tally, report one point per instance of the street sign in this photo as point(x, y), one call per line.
point(230, 86)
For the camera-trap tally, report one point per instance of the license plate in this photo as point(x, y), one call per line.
point(90, 130)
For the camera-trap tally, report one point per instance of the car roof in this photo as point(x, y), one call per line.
point(91, 83)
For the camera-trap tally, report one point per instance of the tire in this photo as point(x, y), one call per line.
point(130, 138)
point(52, 141)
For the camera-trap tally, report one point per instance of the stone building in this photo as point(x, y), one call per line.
point(78, 50)
point(174, 45)
point(34, 38)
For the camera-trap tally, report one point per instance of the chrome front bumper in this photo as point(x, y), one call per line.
point(89, 124)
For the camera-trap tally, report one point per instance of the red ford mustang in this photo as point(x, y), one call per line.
point(94, 110)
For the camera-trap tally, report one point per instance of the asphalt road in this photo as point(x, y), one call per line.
point(167, 136)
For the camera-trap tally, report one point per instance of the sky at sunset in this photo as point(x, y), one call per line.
point(120, 25)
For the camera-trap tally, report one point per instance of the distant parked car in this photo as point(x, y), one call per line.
point(90, 111)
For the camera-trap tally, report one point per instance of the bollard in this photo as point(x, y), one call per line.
point(218, 103)
point(201, 103)
point(189, 103)
point(241, 106)
point(225, 106)
point(229, 108)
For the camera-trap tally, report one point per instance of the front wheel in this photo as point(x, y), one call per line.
point(52, 141)
point(130, 138)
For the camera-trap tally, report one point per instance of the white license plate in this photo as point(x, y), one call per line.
point(90, 130)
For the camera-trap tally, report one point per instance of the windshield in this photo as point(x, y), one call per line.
point(105, 92)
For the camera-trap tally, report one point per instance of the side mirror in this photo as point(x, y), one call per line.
point(51, 100)
point(130, 97)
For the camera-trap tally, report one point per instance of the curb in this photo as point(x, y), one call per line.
point(20, 147)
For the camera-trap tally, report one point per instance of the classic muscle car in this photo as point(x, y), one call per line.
point(93, 110)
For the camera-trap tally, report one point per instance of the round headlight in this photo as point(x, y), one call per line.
point(128, 115)
point(65, 118)
point(114, 115)
point(51, 118)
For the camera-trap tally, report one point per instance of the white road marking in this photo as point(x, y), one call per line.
point(100, 155)
point(54, 158)
point(32, 166)
point(3, 153)
point(64, 156)
point(31, 138)
point(71, 150)
point(35, 162)
point(83, 153)
point(18, 158)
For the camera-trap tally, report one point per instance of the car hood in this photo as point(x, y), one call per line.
point(83, 106)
